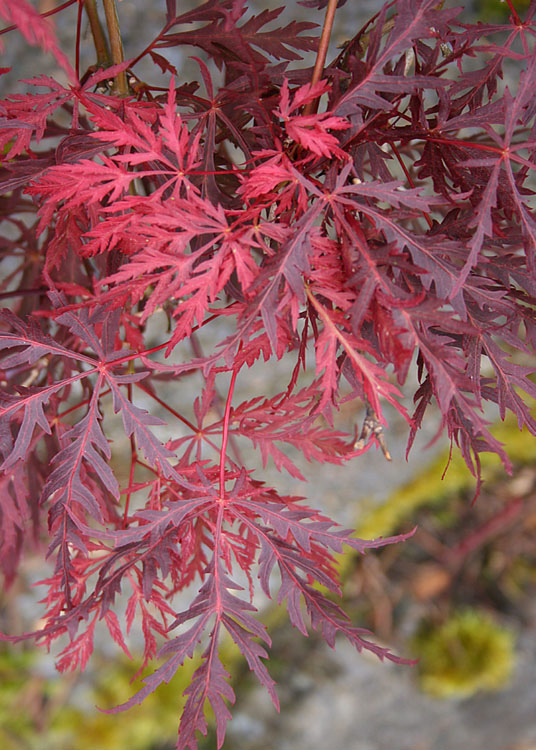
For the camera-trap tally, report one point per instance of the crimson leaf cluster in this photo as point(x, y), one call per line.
point(376, 220)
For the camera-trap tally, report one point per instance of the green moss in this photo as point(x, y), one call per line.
point(498, 10)
point(426, 489)
point(429, 488)
point(37, 714)
point(141, 727)
point(17, 687)
point(467, 654)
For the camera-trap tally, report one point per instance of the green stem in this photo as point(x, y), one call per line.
point(116, 45)
point(97, 32)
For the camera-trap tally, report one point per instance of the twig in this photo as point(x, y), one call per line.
point(372, 426)
point(97, 32)
point(116, 45)
point(311, 107)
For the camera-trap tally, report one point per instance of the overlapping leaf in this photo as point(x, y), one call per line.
point(350, 225)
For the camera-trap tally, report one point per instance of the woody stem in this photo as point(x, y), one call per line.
point(311, 107)
point(116, 45)
point(97, 32)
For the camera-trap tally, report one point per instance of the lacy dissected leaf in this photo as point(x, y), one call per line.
point(18, 509)
point(289, 421)
point(28, 114)
point(291, 537)
point(221, 34)
point(84, 446)
point(412, 21)
point(310, 131)
point(188, 254)
point(30, 345)
point(137, 422)
point(35, 29)
point(210, 680)
point(367, 225)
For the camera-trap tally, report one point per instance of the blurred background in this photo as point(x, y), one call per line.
point(459, 596)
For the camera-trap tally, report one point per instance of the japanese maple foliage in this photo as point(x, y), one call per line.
point(372, 215)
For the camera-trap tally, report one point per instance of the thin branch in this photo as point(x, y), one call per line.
point(116, 45)
point(80, 10)
point(198, 352)
point(312, 107)
point(24, 292)
point(225, 434)
point(97, 32)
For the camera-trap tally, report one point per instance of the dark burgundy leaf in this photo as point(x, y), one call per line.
point(372, 227)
